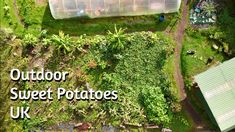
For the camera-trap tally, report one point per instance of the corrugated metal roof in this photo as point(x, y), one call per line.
point(218, 88)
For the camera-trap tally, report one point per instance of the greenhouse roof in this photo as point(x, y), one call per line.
point(104, 8)
point(218, 88)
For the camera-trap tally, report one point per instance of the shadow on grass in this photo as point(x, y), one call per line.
point(82, 25)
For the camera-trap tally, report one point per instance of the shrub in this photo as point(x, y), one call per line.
point(155, 105)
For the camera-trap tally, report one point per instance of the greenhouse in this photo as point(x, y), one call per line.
point(61, 9)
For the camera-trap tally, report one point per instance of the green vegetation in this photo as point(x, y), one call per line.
point(155, 105)
point(99, 60)
point(208, 8)
point(224, 34)
point(212, 46)
point(117, 61)
point(142, 56)
point(197, 63)
point(8, 17)
point(216, 42)
point(139, 65)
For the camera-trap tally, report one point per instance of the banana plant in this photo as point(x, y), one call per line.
point(117, 38)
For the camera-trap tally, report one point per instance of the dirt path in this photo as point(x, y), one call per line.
point(16, 12)
point(179, 35)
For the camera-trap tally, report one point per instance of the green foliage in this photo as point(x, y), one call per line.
point(223, 33)
point(227, 27)
point(136, 75)
point(155, 105)
point(26, 8)
point(46, 42)
point(65, 44)
point(195, 64)
point(43, 34)
point(209, 7)
point(140, 64)
point(5, 35)
point(6, 9)
point(7, 15)
point(117, 39)
point(62, 42)
point(30, 40)
point(8, 59)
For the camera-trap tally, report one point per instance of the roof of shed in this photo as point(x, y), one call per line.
point(218, 88)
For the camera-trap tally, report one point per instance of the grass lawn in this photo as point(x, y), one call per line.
point(195, 64)
point(11, 20)
point(182, 123)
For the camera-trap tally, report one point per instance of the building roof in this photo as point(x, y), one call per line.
point(104, 8)
point(218, 88)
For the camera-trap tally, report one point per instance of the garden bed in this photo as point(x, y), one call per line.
point(116, 61)
point(203, 13)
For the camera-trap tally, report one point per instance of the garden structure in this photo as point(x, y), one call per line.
point(217, 86)
point(61, 9)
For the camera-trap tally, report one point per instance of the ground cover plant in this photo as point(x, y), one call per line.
point(116, 61)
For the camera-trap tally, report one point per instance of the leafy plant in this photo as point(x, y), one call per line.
point(117, 39)
point(7, 15)
point(139, 66)
point(138, 77)
point(80, 42)
point(43, 34)
point(30, 40)
point(46, 42)
point(155, 105)
point(209, 7)
point(5, 34)
point(6, 9)
point(62, 43)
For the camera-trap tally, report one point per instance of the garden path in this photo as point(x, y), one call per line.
point(179, 35)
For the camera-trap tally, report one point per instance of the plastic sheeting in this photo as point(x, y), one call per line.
point(61, 9)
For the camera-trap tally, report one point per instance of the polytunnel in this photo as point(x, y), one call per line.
point(61, 9)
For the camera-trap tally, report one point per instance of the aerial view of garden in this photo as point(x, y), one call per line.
point(117, 65)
